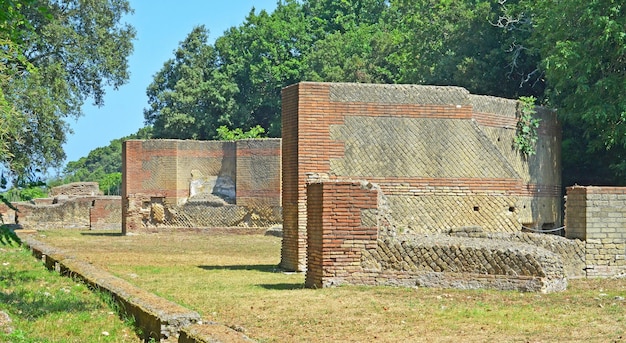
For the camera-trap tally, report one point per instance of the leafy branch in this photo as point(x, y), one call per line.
point(526, 137)
point(226, 134)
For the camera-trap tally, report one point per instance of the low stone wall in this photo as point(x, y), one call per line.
point(571, 251)
point(351, 241)
point(83, 212)
point(159, 319)
point(466, 263)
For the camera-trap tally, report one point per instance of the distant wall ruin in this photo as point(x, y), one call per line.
point(200, 184)
point(77, 205)
point(444, 158)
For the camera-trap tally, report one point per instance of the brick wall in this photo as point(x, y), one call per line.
point(442, 156)
point(345, 247)
point(597, 215)
point(181, 183)
point(106, 213)
point(337, 236)
point(258, 172)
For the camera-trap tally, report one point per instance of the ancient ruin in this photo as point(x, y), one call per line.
point(174, 184)
point(77, 205)
point(374, 184)
point(420, 185)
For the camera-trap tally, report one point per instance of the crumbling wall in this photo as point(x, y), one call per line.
point(347, 245)
point(73, 205)
point(76, 189)
point(597, 215)
point(76, 212)
point(200, 184)
point(443, 157)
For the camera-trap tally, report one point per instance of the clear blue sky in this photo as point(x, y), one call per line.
point(161, 25)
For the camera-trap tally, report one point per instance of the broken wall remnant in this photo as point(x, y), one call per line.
point(200, 184)
point(597, 215)
point(349, 242)
point(76, 205)
point(444, 158)
point(76, 189)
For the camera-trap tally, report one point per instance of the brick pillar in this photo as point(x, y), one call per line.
point(336, 234)
point(293, 250)
point(131, 152)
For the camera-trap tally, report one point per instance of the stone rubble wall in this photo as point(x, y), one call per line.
point(466, 263)
point(349, 245)
point(76, 189)
point(77, 212)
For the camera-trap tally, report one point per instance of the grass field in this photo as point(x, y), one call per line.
point(233, 279)
point(44, 307)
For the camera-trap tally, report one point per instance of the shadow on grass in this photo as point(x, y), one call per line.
point(268, 268)
point(109, 234)
point(8, 237)
point(283, 286)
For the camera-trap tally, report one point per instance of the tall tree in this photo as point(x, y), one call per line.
point(583, 48)
point(261, 56)
point(73, 50)
point(190, 96)
point(357, 55)
point(460, 43)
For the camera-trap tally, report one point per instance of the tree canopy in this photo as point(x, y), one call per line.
point(56, 55)
point(570, 55)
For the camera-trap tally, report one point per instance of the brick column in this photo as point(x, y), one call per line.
point(336, 234)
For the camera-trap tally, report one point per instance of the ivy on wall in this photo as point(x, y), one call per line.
point(525, 140)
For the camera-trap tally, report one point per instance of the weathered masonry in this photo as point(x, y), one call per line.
point(350, 241)
point(443, 158)
point(77, 205)
point(200, 184)
point(597, 215)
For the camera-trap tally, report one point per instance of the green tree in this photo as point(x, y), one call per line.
point(190, 96)
point(262, 56)
point(14, 29)
point(101, 164)
point(226, 134)
point(358, 55)
point(111, 184)
point(62, 53)
point(462, 43)
point(583, 49)
point(332, 16)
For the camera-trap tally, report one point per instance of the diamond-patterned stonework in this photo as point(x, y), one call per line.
point(416, 147)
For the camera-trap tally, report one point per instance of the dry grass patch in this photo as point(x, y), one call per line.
point(234, 280)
